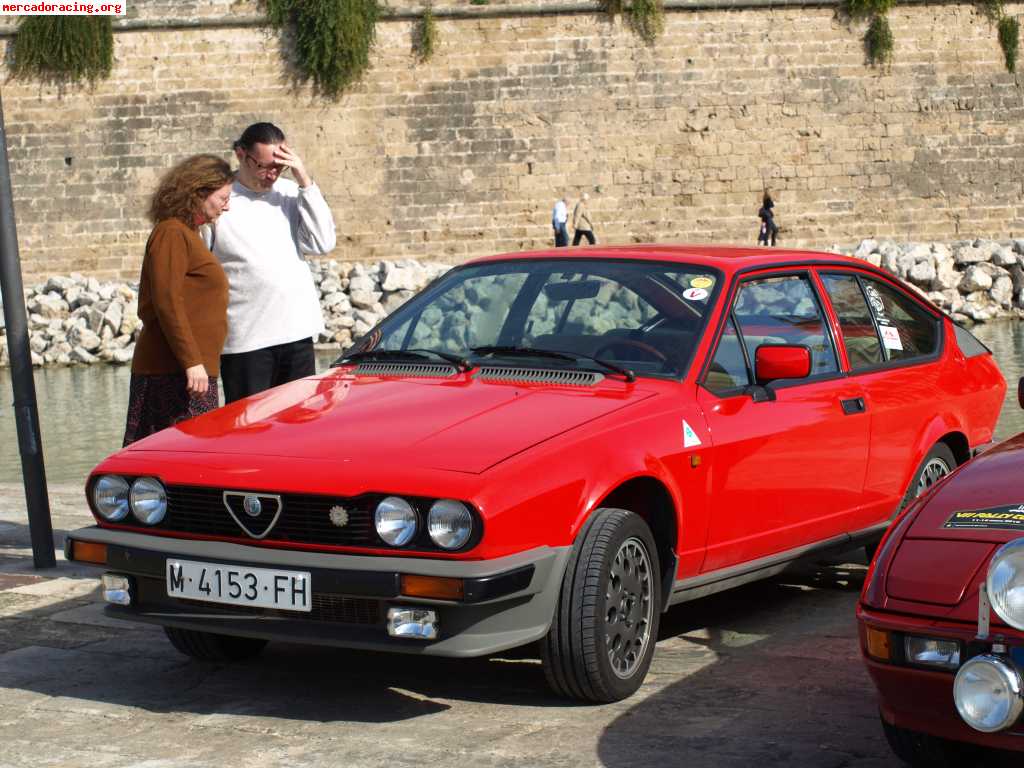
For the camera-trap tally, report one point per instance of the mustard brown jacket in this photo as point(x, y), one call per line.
point(183, 303)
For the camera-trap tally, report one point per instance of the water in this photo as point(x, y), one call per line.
point(82, 409)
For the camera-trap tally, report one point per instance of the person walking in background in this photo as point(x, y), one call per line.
point(559, 222)
point(183, 300)
point(769, 229)
point(274, 308)
point(581, 222)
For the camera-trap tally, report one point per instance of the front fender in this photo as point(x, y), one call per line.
point(573, 475)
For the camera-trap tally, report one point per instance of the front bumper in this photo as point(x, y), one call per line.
point(508, 601)
point(921, 700)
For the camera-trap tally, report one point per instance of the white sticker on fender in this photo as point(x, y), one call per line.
point(891, 337)
point(690, 438)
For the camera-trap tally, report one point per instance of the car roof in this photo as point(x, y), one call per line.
point(727, 258)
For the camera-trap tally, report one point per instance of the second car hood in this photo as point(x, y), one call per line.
point(942, 565)
point(990, 485)
point(459, 424)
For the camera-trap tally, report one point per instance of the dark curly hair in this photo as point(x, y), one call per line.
point(185, 187)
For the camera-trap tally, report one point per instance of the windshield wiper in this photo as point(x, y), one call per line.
point(512, 351)
point(460, 363)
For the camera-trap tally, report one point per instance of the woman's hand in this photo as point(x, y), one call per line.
point(197, 382)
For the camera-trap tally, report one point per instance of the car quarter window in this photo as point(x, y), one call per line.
point(905, 328)
point(728, 369)
point(863, 346)
point(784, 310)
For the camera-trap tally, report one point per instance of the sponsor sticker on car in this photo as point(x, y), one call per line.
point(1006, 517)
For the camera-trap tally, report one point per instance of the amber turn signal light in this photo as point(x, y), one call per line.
point(878, 643)
point(89, 552)
point(435, 587)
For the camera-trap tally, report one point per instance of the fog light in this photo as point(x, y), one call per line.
point(417, 623)
point(931, 652)
point(987, 694)
point(117, 589)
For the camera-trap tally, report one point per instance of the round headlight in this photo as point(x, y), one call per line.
point(149, 500)
point(110, 496)
point(1006, 583)
point(450, 523)
point(987, 693)
point(395, 520)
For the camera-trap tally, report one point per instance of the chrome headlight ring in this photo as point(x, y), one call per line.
point(1005, 583)
point(110, 497)
point(396, 521)
point(989, 693)
point(148, 500)
point(450, 524)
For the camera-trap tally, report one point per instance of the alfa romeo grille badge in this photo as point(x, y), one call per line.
point(252, 505)
point(255, 513)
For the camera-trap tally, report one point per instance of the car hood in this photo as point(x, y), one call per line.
point(459, 424)
point(945, 552)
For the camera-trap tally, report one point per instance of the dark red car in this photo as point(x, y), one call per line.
point(942, 614)
point(549, 447)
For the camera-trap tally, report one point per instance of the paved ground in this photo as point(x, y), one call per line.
point(766, 675)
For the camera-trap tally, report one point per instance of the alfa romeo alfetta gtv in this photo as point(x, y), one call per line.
point(547, 447)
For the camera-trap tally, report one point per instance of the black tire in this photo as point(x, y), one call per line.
point(922, 750)
point(938, 463)
point(207, 646)
point(605, 626)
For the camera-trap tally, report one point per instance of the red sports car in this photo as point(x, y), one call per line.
point(552, 447)
point(942, 614)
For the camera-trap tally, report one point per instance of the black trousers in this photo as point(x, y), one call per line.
point(580, 234)
point(247, 373)
point(561, 236)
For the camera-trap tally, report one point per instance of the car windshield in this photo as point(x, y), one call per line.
point(625, 316)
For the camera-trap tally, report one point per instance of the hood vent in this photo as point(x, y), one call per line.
point(422, 370)
point(539, 375)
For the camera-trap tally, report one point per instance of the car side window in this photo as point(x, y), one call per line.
point(907, 330)
point(784, 310)
point(859, 335)
point(728, 369)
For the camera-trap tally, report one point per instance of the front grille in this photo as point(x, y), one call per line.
point(305, 518)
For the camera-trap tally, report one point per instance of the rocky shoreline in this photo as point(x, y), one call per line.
point(79, 320)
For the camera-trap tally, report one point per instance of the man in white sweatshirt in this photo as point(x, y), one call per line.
point(273, 306)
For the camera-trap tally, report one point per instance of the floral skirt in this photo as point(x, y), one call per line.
point(156, 402)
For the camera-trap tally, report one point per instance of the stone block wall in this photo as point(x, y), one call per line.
point(465, 154)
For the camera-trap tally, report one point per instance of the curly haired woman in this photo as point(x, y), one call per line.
point(183, 299)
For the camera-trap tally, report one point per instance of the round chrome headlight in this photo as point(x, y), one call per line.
point(450, 523)
point(987, 693)
point(1005, 583)
point(110, 497)
point(395, 520)
point(149, 500)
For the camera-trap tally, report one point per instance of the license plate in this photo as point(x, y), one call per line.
point(239, 585)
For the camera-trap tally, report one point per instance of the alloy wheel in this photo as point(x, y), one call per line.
point(629, 607)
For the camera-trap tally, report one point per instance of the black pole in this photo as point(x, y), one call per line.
point(26, 412)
